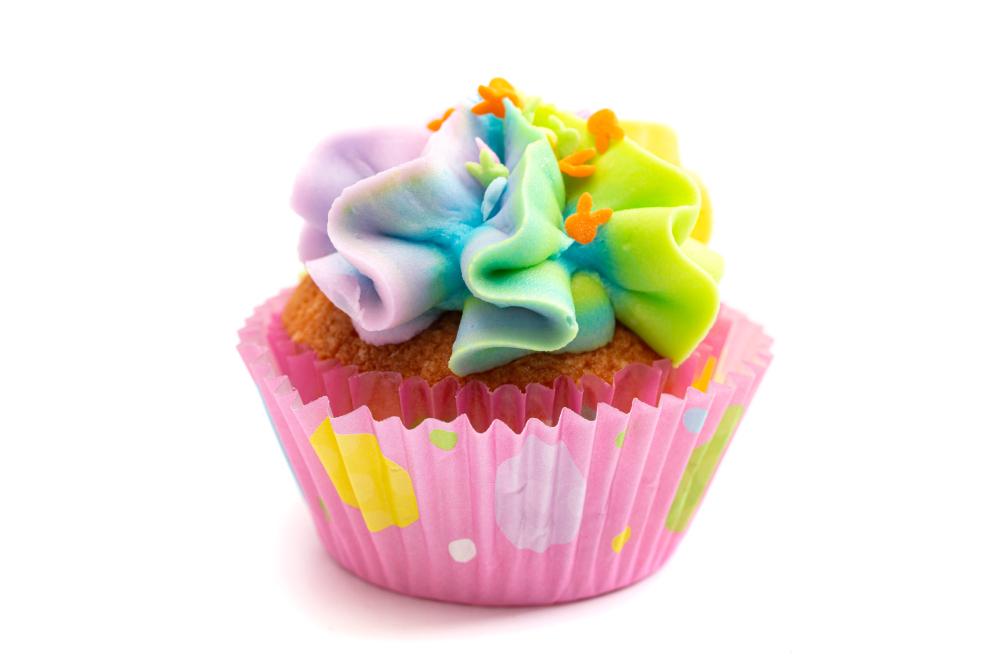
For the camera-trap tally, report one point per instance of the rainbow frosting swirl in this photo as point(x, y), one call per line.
point(543, 228)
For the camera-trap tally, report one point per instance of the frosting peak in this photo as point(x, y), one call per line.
point(540, 226)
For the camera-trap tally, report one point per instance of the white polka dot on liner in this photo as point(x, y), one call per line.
point(462, 550)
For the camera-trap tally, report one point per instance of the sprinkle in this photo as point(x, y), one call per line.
point(493, 96)
point(435, 125)
point(603, 125)
point(489, 167)
point(572, 164)
point(582, 225)
point(567, 139)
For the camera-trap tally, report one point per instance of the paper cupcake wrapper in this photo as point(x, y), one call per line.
point(504, 497)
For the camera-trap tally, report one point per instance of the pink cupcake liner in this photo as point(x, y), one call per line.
point(504, 497)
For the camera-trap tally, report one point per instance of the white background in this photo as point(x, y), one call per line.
point(146, 160)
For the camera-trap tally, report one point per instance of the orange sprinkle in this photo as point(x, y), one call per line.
point(582, 225)
point(603, 125)
point(573, 164)
point(493, 96)
point(435, 125)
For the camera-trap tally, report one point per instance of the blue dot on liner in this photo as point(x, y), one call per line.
point(694, 419)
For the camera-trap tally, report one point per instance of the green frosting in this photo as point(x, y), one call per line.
point(521, 301)
point(535, 290)
point(660, 282)
point(478, 223)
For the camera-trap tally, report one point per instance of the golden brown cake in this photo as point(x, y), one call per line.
point(314, 322)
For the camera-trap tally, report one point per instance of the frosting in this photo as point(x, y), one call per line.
point(542, 227)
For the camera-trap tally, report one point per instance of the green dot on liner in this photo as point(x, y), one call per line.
point(620, 439)
point(701, 465)
point(444, 439)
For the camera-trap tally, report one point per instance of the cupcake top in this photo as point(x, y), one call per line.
point(542, 227)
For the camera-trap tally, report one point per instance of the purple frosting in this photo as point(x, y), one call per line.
point(336, 164)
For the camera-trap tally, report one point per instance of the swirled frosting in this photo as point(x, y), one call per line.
point(479, 216)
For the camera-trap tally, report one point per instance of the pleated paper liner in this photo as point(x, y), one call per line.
point(504, 497)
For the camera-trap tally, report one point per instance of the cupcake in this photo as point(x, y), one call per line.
point(506, 377)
